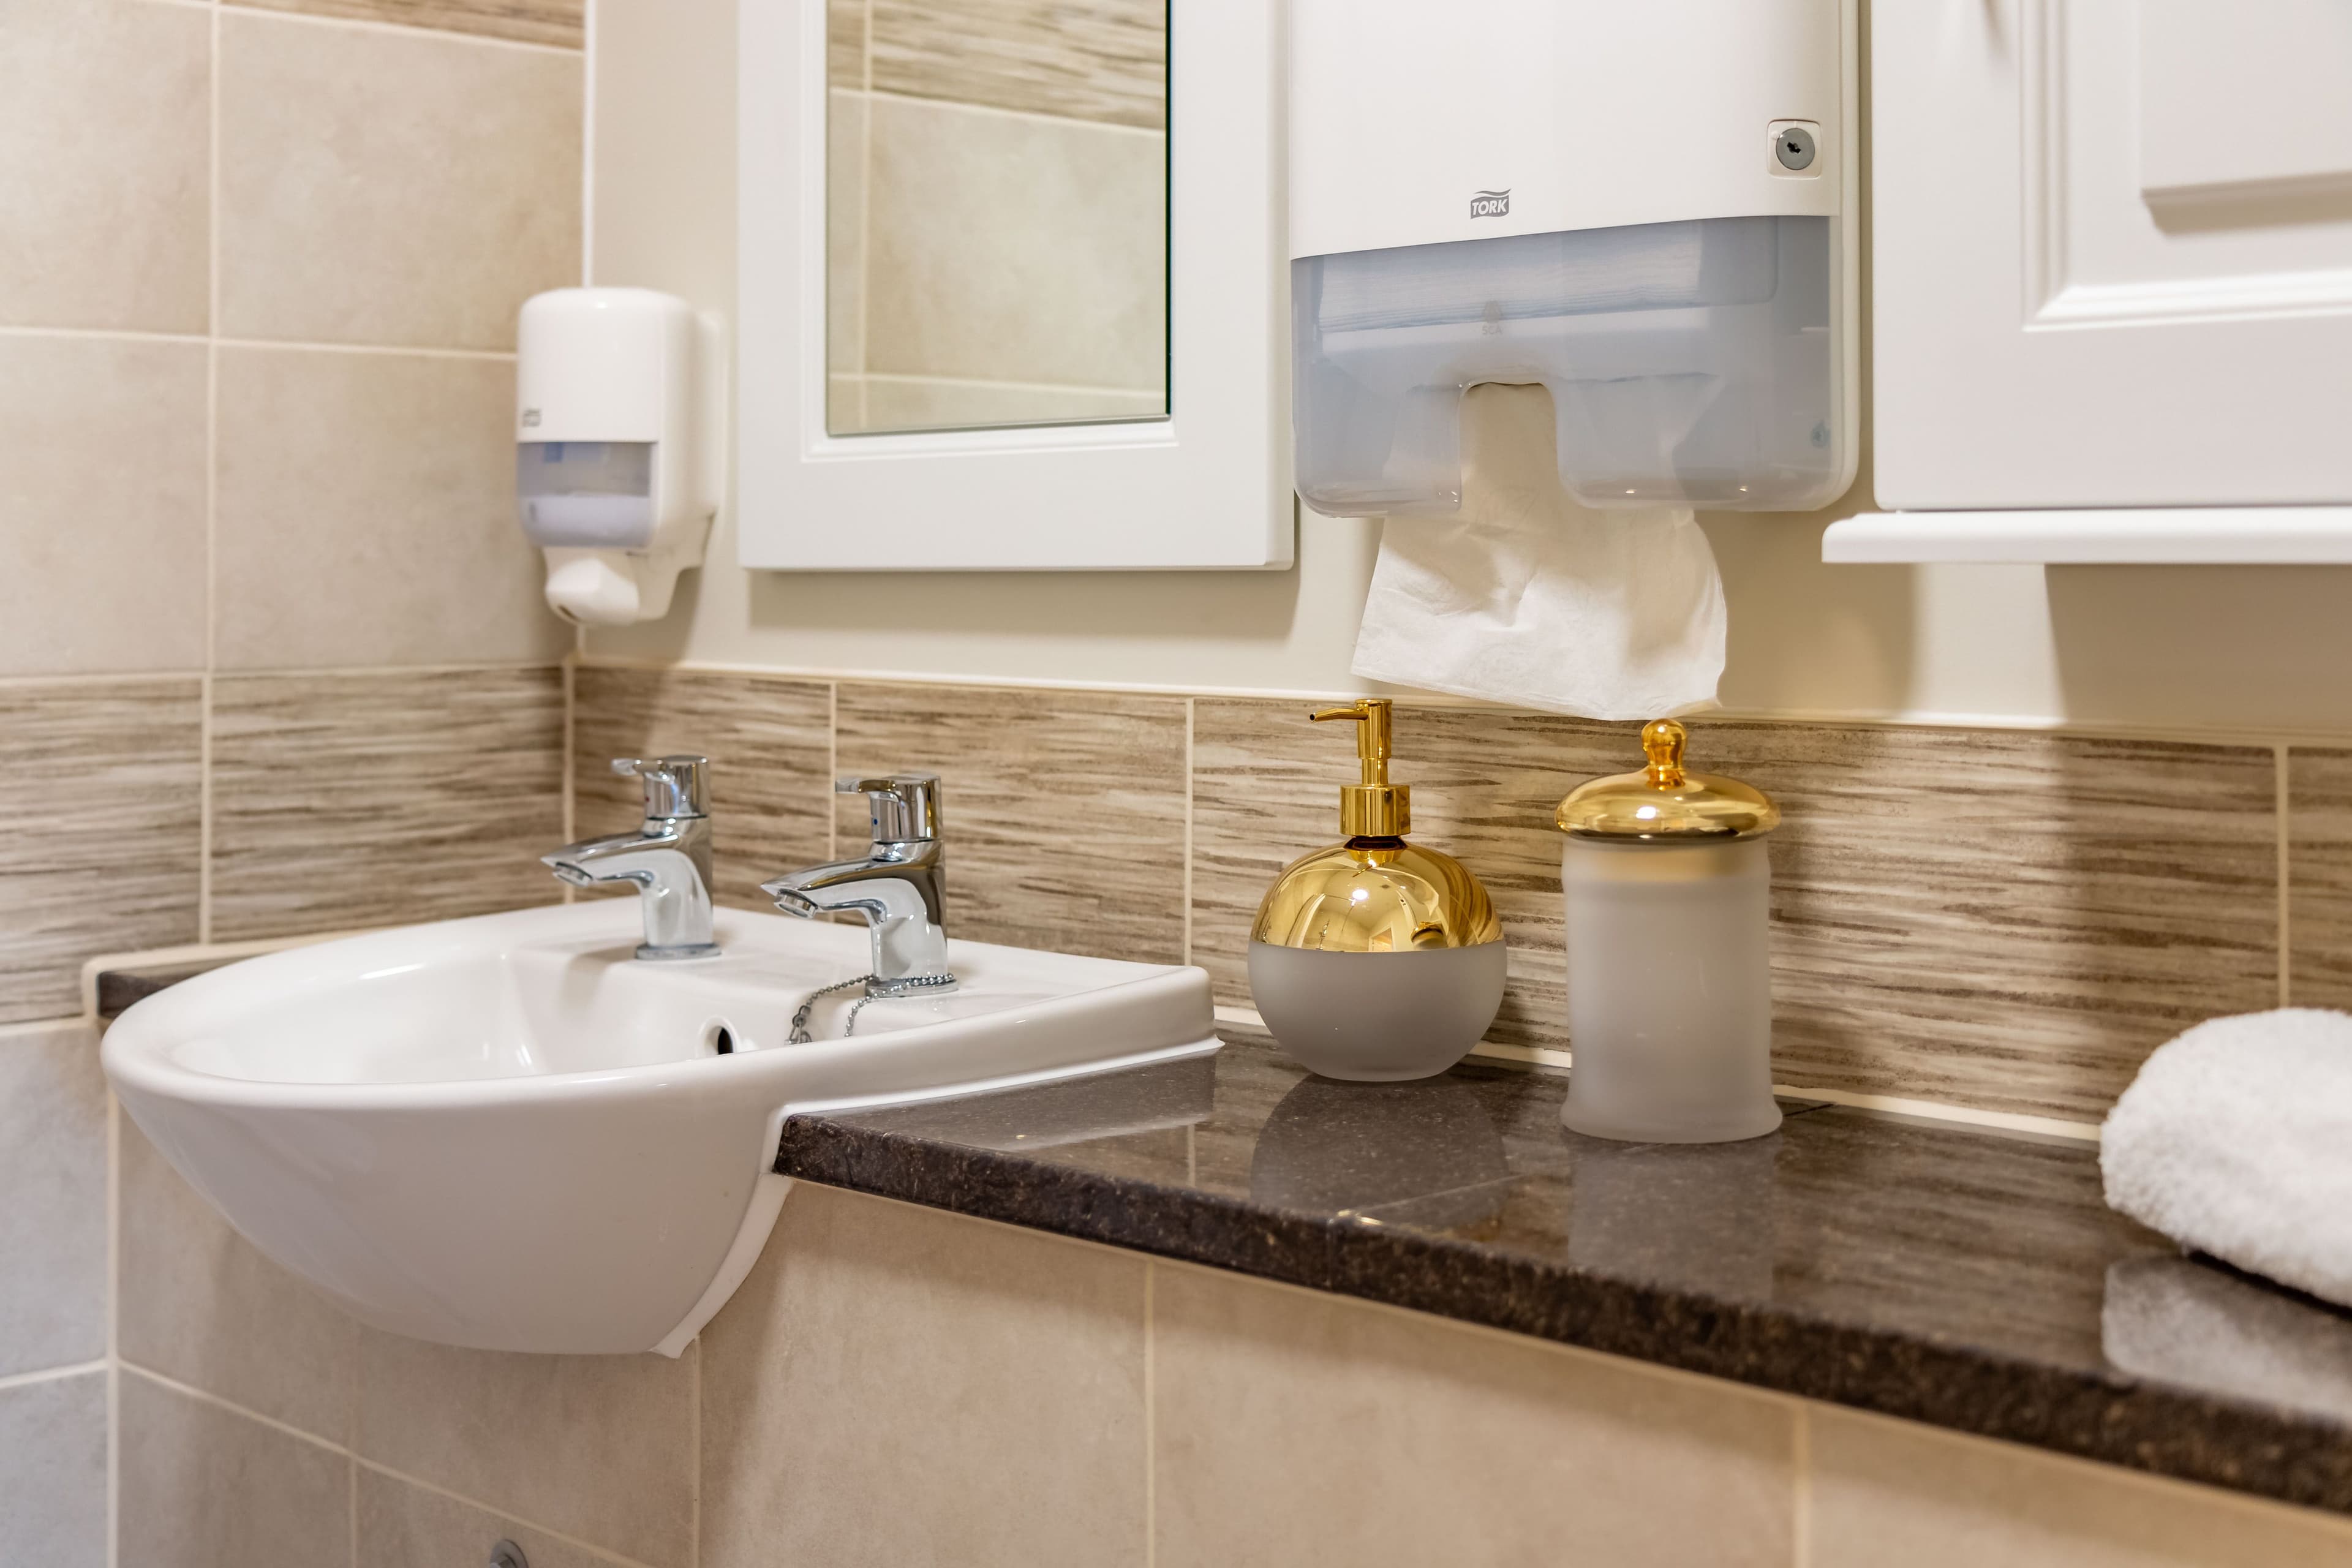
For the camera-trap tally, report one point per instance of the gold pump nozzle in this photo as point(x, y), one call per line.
point(1374, 808)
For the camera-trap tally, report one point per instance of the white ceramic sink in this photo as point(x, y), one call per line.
point(508, 1132)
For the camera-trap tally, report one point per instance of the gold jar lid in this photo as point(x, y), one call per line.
point(1663, 801)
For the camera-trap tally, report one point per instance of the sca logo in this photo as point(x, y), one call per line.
point(1490, 204)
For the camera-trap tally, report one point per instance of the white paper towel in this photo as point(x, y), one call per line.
point(1540, 603)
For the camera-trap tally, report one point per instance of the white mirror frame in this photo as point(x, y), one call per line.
point(1207, 487)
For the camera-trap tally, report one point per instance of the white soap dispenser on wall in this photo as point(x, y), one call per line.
point(620, 458)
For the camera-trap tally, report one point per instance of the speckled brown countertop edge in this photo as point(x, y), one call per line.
point(2145, 1427)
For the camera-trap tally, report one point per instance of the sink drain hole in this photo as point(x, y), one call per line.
point(720, 1039)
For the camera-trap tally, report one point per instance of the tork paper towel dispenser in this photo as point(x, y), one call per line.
point(620, 400)
point(1648, 208)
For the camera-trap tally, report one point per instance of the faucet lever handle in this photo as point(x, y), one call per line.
point(675, 786)
point(905, 806)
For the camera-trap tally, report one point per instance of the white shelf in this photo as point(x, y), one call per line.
point(2177, 536)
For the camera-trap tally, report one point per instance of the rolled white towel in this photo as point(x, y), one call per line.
point(2236, 1139)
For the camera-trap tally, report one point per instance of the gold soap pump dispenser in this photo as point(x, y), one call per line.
point(1375, 958)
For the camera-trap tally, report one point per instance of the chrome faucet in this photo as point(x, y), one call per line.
point(669, 857)
point(901, 888)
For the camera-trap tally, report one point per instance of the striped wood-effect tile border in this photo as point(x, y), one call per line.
point(1105, 61)
point(557, 22)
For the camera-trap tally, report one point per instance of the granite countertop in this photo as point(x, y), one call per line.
point(1968, 1279)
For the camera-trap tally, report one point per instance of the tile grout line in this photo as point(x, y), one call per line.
point(588, 143)
point(280, 672)
point(865, 206)
point(571, 763)
point(212, 478)
point(351, 1505)
point(2283, 808)
point(113, 1327)
point(16, 1380)
point(1801, 1456)
point(1189, 703)
point(222, 340)
point(285, 1428)
point(1151, 1416)
point(694, 1460)
point(999, 110)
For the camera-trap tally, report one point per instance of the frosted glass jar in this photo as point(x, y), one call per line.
point(1669, 991)
point(1668, 889)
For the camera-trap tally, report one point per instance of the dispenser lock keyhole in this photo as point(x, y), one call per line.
point(1794, 147)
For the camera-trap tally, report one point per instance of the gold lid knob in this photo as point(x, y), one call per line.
point(1374, 808)
point(1664, 801)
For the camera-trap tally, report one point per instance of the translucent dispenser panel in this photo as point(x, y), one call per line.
point(1688, 362)
point(586, 495)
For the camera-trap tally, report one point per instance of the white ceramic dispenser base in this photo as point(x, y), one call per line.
point(1377, 1017)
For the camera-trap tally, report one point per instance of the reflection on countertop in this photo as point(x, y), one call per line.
point(1969, 1279)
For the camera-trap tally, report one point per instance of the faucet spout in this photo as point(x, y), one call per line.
point(668, 860)
point(899, 888)
point(899, 891)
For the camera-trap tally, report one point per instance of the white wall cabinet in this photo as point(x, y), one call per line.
point(2112, 254)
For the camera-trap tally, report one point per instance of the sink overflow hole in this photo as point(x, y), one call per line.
point(721, 1039)
point(507, 1554)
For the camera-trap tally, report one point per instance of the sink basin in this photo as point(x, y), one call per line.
point(507, 1132)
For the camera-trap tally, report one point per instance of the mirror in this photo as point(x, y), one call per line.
point(996, 214)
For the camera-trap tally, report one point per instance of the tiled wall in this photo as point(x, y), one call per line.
point(997, 188)
point(1152, 1413)
point(2001, 920)
point(272, 656)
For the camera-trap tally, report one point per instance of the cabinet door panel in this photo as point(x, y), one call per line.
point(2113, 252)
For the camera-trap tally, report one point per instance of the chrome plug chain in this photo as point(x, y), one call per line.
point(800, 1035)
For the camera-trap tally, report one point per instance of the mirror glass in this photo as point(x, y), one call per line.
point(996, 219)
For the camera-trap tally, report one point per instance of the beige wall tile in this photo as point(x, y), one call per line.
point(102, 485)
point(2319, 877)
point(52, 1200)
point(53, 1473)
point(1002, 248)
point(1104, 60)
point(770, 743)
point(405, 1526)
point(556, 22)
point(104, 117)
point(2006, 919)
point(381, 187)
point(844, 42)
point(844, 234)
point(597, 1447)
point(205, 1487)
point(201, 1306)
point(894, 1385)
point(1063, 811)
point(365, 514)
point(1266, 790)
point(115, 866)
point(1888, 1491)
point(901, 403)
point(1301, 1428)
point(362, 800)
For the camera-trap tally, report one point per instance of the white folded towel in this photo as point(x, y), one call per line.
point(2236, 1139)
